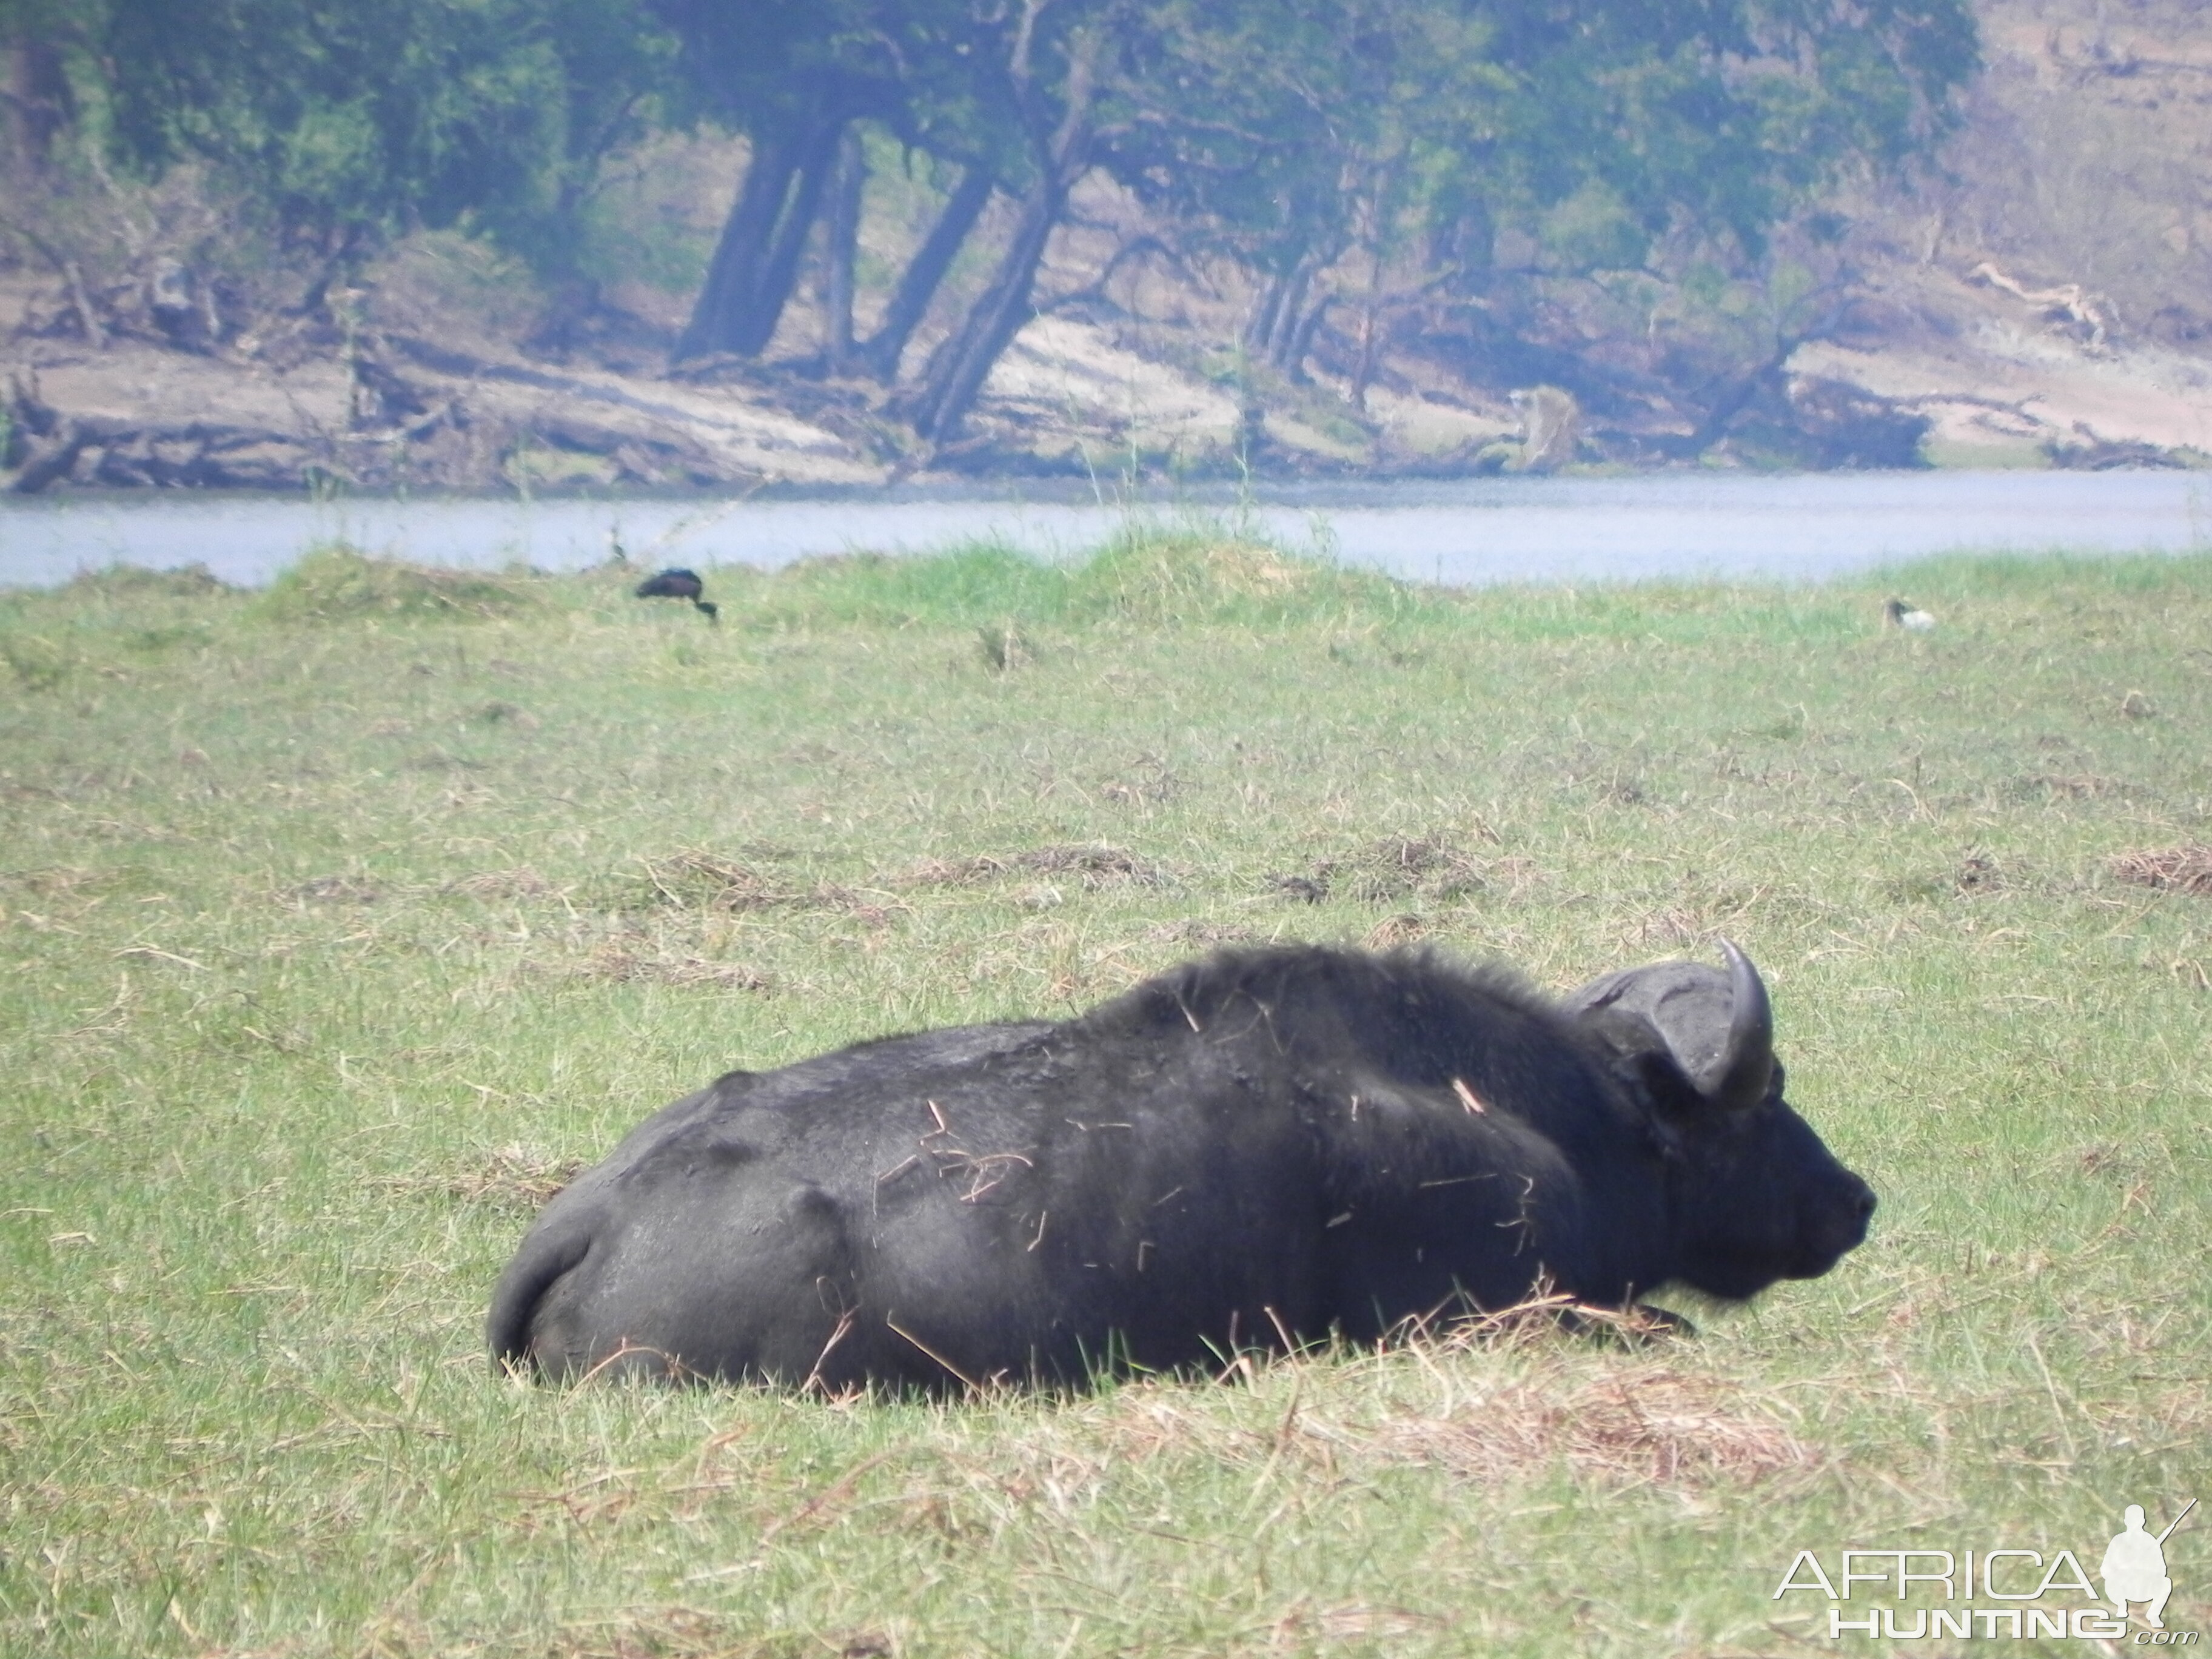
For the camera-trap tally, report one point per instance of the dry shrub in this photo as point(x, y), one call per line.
point(1096, 864)
point(2186, 869)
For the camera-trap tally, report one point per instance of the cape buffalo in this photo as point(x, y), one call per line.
point(1264, 1147)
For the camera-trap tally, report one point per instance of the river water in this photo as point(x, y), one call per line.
point(1464, 532)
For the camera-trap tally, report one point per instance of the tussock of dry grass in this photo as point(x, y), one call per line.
point(1394, 932)
point(1098, 865)
point(694, 877)
point(522, 882)
point(1399, 867)
point(1196, 930)
point(337, 890)
point(700, 880)
point(2186, 869)
point(624, 965)
point(1396, 868)
point(1507, 1396)
point(512, 1176)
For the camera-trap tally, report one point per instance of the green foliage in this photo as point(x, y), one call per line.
point(376, 115)
point(654, 213)
point(1152, 576)
point(38, 663)
point(123, 581)
point(338, 583)
point(1593, 229)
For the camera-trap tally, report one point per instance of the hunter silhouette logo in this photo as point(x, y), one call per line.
point(2027, 1593)
point(2133, 1569)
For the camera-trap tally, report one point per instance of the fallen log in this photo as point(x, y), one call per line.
point(135, 454)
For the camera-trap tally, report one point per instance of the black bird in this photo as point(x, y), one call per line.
point(679, 584)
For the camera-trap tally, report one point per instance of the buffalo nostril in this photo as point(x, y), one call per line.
point(1865, 1203)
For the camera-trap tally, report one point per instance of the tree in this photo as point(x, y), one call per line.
point(792, 75)
point(355, 118)
point(1370, 144)
point(1058, 125)
point(37, 97)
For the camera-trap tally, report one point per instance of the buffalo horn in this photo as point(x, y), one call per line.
point(1738, 1077)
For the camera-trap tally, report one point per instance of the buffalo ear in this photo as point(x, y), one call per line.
point(1644, 1064)
point(1658, 1077)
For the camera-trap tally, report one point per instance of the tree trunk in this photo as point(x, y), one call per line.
point(733, 275)
point(1300, 343)
point(756, 260)
point(880, 356)
point(38, 104)
point(1280, 327)
point(1283, 327)
point(780, 273)
point(1060, 154)
point(838, 355)
point(959, 366)
point(1261, 324)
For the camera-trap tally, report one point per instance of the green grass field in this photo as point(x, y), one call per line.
point(339, 923)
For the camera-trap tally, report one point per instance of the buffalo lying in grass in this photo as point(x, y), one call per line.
point(1265, 1147)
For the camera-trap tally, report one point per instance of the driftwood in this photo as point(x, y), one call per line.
point(400, 431)
point(2068, 302)
point(47, 446)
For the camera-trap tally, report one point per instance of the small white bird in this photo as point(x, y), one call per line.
point(1899, 614)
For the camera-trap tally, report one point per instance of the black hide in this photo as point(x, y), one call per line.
point(1267, 1145)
